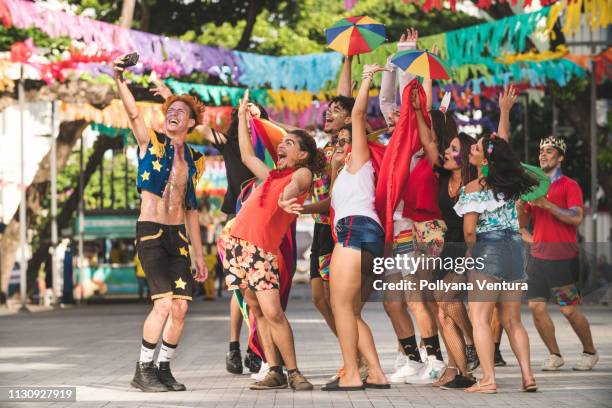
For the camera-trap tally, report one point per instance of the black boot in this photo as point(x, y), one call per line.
point(472, 358)
point(233, 362)
point(498, 359)
point(166, 378)
point(252, 361)
point(145, 378)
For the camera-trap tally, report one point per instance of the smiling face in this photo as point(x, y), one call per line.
point(477, 155)
point(393, 118)
point(289, 152)
point(550, 158)
point(452, 155)
point(178, 119)
point(336, 117)
point(343, 142)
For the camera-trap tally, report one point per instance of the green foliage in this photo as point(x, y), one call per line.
point(9, 36)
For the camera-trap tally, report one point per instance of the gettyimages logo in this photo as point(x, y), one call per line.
point(408, 264)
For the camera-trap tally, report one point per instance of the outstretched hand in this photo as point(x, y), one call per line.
point(290, 206)
point(370, 69)
point(117, 68)
point(243, 108)
point(408, 40)
point(507, 98)
point(160, 89)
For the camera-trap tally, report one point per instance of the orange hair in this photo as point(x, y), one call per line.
point(197, 107)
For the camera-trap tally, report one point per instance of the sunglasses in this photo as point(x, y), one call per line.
point(342, 142)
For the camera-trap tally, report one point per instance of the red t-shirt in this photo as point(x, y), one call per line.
point(552, 238)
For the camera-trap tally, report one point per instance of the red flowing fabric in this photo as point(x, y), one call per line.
point(395, 164)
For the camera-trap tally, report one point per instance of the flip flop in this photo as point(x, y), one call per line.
point(376, 386)
point(335, 386)
point(531, 386)
point(482, 389)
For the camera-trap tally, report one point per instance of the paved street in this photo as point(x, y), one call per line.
point(95, 347)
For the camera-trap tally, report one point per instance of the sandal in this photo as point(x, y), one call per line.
point(530, 386)
point(375, 386)
point(442, 380)
point(335, 386)
point(482, 389)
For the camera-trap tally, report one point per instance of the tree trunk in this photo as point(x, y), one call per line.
point(145, 16)
point(69, 133)
point(102, 144)
point(252, 12)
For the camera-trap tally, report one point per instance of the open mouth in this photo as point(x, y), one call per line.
point(173, 122)
point(281, 155)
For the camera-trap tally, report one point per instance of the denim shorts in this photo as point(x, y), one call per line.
point(361, 233)
point(503, 255)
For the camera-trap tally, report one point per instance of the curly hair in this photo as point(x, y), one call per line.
point(506, 175)
point(196, 108)
point(316, 158)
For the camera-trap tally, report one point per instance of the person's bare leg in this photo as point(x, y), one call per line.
point(496, 326)
point(480, 314)
point(235, 320)
point(176, 321)
point(280, 329)
point(321, 302)
point(461, 319)
point(400, 318)
point(154, 323)
point(263, 330)
point(510, 316)
point(345, 288)
point(545, 325)
point(424, 319)
point(581, 326)
point(367, 348)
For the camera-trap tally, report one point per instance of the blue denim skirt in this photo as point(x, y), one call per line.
point(502, 254)
point(361, 233)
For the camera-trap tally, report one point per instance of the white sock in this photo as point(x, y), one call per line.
point(166, 352)
point(146, 351)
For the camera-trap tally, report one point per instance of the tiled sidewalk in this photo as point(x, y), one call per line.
point(95, 348)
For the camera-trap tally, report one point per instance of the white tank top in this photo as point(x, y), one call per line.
point(354, 194)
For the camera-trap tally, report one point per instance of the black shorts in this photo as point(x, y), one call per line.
point(321, 250)
point(556, 278)
point(163, 251)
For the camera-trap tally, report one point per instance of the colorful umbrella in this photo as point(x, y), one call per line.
point(355, 35)
point(420, 63)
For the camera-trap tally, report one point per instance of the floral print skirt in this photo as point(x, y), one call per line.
point(248, 266)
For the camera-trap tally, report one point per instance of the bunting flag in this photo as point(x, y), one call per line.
point(114, 114)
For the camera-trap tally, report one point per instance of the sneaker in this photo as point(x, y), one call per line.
point(423, 353)
point(272, 381)
point(458, 383)
point(400, 360)
point(263, 371)
point(252, 361)
point(552, 363)
point(409, 369)
point(233, 362)
point(472, 358)
point(587, 362)
point(431, 370)
point(499, 360)
point(145, 378)
point(165, 377)
point(298, 382)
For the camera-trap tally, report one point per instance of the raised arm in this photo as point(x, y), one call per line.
point(129, 103)
point(345, 86)
point(506, 100)
point(247, 153)
point(407, 41)
point(360, 153)
point(429, 144)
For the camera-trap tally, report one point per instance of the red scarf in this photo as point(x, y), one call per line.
point(394, 167)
